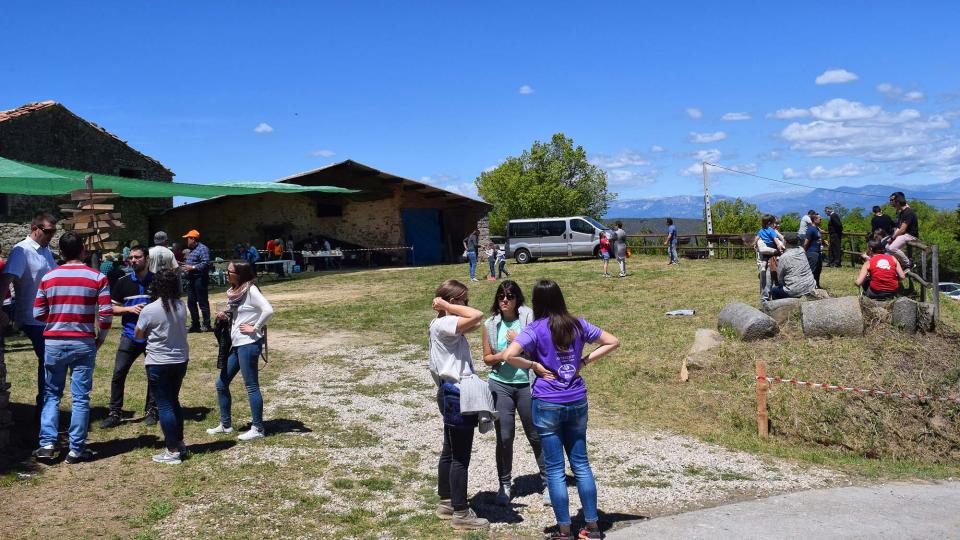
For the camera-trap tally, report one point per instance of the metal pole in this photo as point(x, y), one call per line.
point(708, 214)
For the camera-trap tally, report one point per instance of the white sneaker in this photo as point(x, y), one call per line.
point(254, 433)
point(168, 457)
point(219, 430)
point(474, 279)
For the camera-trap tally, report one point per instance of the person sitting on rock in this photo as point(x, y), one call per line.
point(796, 278)
point(880, 275)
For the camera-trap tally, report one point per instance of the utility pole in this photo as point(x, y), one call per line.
point(708, 215)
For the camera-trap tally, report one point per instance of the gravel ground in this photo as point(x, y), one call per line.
point(387, 390)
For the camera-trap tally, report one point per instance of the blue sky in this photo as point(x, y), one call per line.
point(440, 91)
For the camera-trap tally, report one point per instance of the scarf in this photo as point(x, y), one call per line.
point(236, 296)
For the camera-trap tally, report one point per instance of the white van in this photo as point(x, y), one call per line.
point(529, 239)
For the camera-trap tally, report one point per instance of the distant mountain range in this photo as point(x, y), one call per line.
point(691, 206)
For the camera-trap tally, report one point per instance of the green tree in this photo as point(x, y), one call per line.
point(549, 179)
point(735, 217)
point(790, 222)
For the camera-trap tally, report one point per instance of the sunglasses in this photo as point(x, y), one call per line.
point(506, 296)
point(48, 231)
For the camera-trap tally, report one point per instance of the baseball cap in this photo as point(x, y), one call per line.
point(159, 237)
point(192, 234)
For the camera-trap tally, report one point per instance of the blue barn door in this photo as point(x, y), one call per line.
point(421, 228)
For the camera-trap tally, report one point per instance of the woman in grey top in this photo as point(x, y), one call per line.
point(163, 324)
point(509, 385)
point(620, 247)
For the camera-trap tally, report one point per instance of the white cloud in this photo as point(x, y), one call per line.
point(789, 173)
point(735, 116)
point(707, 137)
point(841, 109)
point(713, 155)
point(771, 155)
point(895, 93)
point(694, 112)
point(656, 149)
point(622, 177)
point(263, 127)
point(846, 170)
point(525, 89)
point(322, 153)
point(452, 183)
point(626, 158)
point(836, 76)
point(789, 114)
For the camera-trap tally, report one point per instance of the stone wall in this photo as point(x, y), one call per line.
point(52, 135)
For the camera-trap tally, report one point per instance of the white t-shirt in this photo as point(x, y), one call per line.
point(161, 258)
point(166, 333)
point(28, 262)
point(449, 351)
point(255, 310)
point(805, 222)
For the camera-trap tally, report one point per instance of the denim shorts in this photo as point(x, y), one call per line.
point(605, 256)
point(448, 400)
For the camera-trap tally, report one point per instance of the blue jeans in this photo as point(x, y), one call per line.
point(563, 427)
point(491, 261)
point(79, 357)
point(472, 256)
point(673, 253)
point(242, 359)
point(164, 381)
point(35, 333)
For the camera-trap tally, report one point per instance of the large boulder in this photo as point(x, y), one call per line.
point(782, 309)
point(904, 313)
point(748, 322)
point(832, 317)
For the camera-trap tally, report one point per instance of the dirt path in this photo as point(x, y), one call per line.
point(370, 419)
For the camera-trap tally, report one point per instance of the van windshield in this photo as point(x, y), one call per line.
point(596, 223)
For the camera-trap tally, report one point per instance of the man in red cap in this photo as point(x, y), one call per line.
point(198, 281)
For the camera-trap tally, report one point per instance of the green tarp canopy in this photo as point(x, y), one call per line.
point(30, 179)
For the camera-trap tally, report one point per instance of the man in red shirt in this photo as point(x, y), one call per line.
point(880, 275)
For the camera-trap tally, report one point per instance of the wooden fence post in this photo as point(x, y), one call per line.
point(762, 388)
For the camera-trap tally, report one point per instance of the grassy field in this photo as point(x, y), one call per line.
point(124, 495)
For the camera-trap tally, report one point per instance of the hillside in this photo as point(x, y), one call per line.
point(658, 225)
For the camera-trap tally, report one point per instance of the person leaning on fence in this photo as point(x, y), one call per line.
point(908, 228)
point(554, 342)
point(671, 242)
point(162, 326)
point(510, 385)
point(880, 275)
point(248, 312)
point(450, 361)
point(881, 222)
point(620, 247)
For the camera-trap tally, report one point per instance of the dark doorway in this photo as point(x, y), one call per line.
point(421, 228)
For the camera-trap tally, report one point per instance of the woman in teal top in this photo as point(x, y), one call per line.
point(509, 385)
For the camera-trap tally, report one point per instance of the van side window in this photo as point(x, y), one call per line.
point(524, 230)
point(553, 228)
point(581, 226)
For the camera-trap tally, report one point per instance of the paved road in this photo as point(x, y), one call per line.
point(896, 510)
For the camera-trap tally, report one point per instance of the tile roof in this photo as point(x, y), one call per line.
point(30, 108)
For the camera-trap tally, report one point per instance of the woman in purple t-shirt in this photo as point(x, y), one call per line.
point(555, 341)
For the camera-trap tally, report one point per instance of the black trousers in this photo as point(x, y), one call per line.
point(816, 265)
point(836, 251)
point(197, 285)
point(453, 466)
point(127, 353)
point(512, 400)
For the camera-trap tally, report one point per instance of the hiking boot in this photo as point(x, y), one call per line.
point(44, 452)
point(467, 520)
point(168, 457)
point(111, 421)
point(254, 433)
point(445, 509)
point(79, 457)
point(150, 419)
point(219, 430)
point(503, 496)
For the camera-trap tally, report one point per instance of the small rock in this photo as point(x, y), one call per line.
point(904, 314)
point(782, 309)
point(748, 322)
point(819, 294)
point(832, 317)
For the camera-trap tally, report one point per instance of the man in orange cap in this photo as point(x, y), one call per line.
point(198, 281)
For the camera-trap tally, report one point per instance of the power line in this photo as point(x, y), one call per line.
point(858, 194)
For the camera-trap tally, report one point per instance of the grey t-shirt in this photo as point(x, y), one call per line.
point(471, 243)
point(794, 273)
point(449, 351)
point(620, 243)
point(166, 333)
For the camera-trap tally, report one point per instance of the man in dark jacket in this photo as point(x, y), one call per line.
point(835, 229)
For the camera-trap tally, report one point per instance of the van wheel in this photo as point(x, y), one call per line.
point(523, 256)
point(596, 252)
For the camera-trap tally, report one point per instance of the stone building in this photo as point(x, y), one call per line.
point(47, 133)
point(389, 211)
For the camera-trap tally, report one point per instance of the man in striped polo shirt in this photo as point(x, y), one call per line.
point(130, 294)
point(73, 301)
